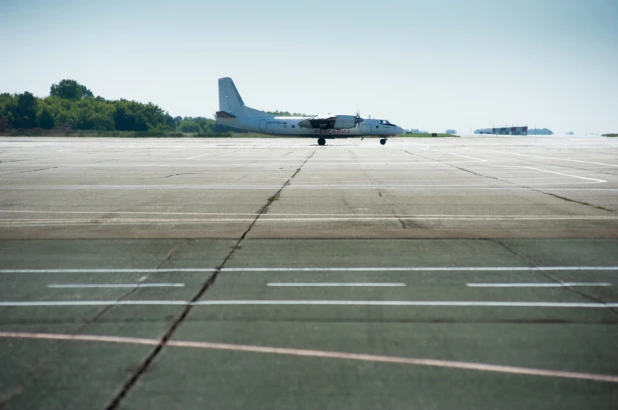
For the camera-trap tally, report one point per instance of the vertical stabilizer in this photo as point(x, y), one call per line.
point(231, 103)
point(229, 98)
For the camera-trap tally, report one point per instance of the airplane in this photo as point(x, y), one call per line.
point(234, 113)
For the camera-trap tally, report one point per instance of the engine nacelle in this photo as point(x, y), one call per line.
point(344, 121)
point(335, 122)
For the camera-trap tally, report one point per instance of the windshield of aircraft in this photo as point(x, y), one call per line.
point(386, 122)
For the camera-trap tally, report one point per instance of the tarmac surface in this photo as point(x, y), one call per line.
point(478, 272)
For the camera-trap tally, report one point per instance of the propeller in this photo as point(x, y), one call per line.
point(358, 118)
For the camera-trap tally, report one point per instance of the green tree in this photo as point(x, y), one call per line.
point(188, 125)
point(45, 119)
point(70, 90)
point(169, 122)
point(23, 114)
point(134, 116)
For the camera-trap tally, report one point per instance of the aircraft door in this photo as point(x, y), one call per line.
point(365, 129)
point(262, 125)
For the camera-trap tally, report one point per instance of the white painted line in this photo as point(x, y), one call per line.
point(198, 156)
point(56, 303)
point(331, 269)
point(107, 270)
point(318, 353)
point(233, 215)
point(115, 285)
point(558, 159)
point(270, 219)
point(595, 180)
point(535, 285)
point(325, 284)
point(25, 211)
point(429, 269)
point(404, 303)
point(291, 186)
point(463, 156)
point(53, 303)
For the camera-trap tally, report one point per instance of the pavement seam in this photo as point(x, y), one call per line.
point(553, 165)
point(384, 200)
point(31, 170)
point(13, 391)
point(183, 173)
point(517, 185)
point(551, 276)
point(187, 309)
point(172, 252)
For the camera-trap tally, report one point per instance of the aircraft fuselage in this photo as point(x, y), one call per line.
point(234, 113)
point(289, 126)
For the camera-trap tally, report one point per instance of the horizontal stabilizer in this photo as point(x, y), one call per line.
point(224, 114)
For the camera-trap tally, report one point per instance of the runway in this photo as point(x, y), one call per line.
point(478, 272)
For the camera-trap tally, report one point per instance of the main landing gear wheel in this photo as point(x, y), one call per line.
point(383, 141)
point(321, 141)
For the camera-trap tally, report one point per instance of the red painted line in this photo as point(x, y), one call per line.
point(320, 354)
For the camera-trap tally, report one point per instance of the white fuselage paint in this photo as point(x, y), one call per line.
point(288, 126)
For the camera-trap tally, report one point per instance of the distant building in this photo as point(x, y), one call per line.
point(518, 130)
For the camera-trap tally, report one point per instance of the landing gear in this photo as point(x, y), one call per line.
point(383, 141)
point(321, 141)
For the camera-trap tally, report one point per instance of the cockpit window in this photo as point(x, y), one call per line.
point(386, 122)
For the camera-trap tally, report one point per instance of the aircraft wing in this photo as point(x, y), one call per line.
point(331, 122)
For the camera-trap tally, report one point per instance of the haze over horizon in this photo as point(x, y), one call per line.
point(422, 64)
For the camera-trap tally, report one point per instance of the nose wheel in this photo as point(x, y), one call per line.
point(383, 141)
point(321, 141)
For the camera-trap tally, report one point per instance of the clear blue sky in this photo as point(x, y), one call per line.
point(431, 64)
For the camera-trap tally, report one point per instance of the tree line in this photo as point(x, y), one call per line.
point(72, 106)
point(278, 113)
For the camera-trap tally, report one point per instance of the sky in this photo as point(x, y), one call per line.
point(428, 64)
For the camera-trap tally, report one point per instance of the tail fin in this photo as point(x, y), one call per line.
point(230, 102)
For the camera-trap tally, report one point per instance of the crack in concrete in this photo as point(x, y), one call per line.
point(16, 390)
point(183, 173)
point(31, 170)
point(553, 277)
point(555, 165)
point(401, 222)
point(517, 185)
point(576, 201)
point(209, 282)
point(176, 249)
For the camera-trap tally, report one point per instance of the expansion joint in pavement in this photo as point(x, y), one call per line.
point(31, 170)
point(209, 282)
point(384, 200)
point(172, 252)
point(10, 393)
point(577, 202)
point(553, 277)
point(519, 185)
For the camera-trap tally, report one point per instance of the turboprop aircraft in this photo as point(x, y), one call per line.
point(234, 113)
